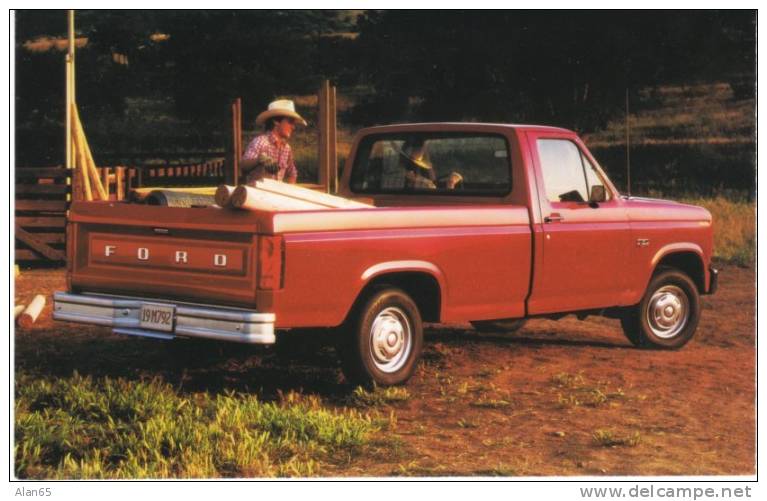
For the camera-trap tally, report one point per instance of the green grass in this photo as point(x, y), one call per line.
point(376, 397)
point(573, 390)
point(81, 427)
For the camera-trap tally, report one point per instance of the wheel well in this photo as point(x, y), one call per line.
point(686, 262)
point(422, 288)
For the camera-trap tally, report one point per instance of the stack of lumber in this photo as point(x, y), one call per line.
point(88, 183)
point(272, 195)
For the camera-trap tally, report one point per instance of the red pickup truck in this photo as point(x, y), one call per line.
point(485, 223)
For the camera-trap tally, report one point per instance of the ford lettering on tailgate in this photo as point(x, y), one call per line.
point(191, 255)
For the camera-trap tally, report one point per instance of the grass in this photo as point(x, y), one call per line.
point(500, 470)
point(573, 390)
point(379, 396)
point(81, 427)
point(708, 113)
point(734, 228)
point(490, 403)
point(609, 438)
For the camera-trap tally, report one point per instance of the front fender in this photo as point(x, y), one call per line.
point(659, 255)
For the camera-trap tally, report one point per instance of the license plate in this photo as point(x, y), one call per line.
point(157, 317)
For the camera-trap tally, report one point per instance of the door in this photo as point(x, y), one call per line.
point(586, 245)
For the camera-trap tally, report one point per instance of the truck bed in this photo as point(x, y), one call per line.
point(325, 256)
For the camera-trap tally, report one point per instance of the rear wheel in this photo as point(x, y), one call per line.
point(383, 340)
point(667, 316)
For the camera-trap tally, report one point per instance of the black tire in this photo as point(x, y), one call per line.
point(680, 291)
point(365, 365)
point(507, 326)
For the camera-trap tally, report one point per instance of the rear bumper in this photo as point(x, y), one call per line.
point(713, 283)
point(189, 320)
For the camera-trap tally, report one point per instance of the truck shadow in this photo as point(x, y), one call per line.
point(190, 366)
point(460, 337)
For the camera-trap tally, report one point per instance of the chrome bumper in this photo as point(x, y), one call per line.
point(123, 315)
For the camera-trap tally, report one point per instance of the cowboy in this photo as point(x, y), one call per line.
point(269, 154)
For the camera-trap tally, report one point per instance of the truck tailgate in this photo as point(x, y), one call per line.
point(205, 255)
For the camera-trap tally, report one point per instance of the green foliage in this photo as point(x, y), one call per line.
point(106, 428)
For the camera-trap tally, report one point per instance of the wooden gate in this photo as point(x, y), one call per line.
point(41, 205)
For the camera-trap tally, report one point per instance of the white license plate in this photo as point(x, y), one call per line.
point(157, 317)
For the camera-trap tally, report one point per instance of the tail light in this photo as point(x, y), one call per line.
point(270, 262)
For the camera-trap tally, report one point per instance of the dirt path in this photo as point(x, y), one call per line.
point(559, 398)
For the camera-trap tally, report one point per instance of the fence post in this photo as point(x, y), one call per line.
point(119, 182)
point(326, 124)
point(234, 146)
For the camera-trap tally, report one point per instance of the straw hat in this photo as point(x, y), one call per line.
point(280, 108)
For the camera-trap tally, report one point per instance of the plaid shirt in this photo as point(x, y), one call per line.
point(270, 145)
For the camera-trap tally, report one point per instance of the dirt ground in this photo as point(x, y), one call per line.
point(563, 397)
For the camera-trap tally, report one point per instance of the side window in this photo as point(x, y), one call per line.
point(562, 169)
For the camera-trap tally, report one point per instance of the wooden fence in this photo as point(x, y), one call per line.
point(42, 195)
point(41, 205)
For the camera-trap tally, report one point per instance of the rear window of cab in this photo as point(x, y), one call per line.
point(432, 163)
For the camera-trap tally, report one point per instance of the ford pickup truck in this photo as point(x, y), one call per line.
point(481, 223)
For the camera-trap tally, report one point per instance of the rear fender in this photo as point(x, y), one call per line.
point(405, 266)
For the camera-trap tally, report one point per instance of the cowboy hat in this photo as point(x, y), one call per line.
point(280, 108)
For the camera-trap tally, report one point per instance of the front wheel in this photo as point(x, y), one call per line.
point(668, 314)
point(383, 340)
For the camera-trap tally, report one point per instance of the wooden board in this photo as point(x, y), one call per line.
point(41, 205)
point(42, 222)
point(38, 245)
point(41, 172)
point(41, 189)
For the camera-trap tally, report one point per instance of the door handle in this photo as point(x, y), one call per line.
point(554, 217)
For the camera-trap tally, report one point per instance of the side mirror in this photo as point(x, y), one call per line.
point(598, 194)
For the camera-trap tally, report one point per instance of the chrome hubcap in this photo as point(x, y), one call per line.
point(668, 311)
point(390, 339)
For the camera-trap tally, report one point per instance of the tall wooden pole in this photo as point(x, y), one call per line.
point(326, 125)
point(234, 148)
point(628, 146)
point(75, 181)
point(70, 85)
